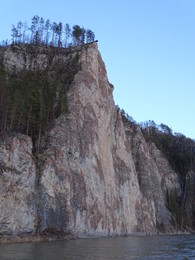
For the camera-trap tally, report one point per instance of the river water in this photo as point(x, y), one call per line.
point(134, 247)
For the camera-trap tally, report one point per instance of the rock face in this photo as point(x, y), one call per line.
point(17, 186)
point(95, 174)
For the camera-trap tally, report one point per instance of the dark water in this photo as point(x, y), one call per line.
point(152, 247)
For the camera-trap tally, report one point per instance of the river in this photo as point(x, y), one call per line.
point(133, 247)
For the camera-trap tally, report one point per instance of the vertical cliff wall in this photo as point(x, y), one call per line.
point(89, 166)
point(17, 186)
point(94, 174)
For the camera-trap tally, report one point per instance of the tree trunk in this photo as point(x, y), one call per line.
point(29, 117)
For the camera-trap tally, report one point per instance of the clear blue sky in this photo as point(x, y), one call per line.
point(148, 47)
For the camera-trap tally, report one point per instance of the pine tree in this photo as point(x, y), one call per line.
point(90, 36)
point(14, 34)
point(77, 34)
point(47, 27)
point(67, 34)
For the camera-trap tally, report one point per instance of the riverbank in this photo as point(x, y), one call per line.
point(46, 237)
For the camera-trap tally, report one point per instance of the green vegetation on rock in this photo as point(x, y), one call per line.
point(31, 99)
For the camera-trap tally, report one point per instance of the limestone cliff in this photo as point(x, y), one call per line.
point(93, 174)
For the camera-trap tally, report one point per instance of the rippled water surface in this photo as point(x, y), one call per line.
point(135, 247)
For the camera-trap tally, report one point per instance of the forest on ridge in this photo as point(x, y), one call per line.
point(45, 32)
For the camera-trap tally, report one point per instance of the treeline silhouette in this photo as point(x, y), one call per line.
point(45, 32)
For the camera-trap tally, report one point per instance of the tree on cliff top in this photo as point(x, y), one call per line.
point(78, 35)
point(43, 32)
point(90, 36)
